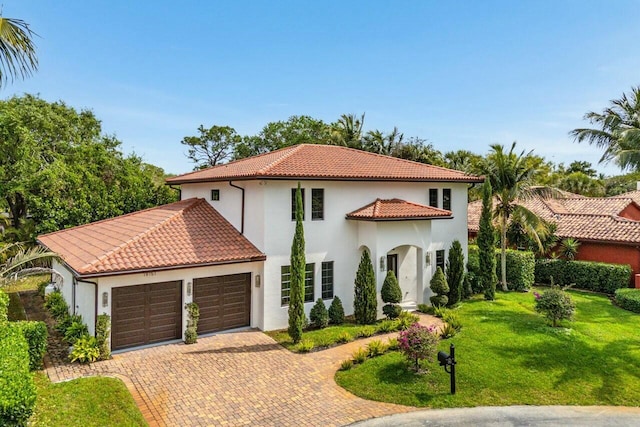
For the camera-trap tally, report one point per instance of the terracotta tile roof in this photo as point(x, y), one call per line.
point(186, 233)
point(324, 162)
point(635, 195)
point(396, 209)
point(583, 218)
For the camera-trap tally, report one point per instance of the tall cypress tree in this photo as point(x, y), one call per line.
point(365, 301)
point(298, 267)
point(455, 272)
point(487, 245)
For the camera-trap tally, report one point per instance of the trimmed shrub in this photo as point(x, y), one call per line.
point(473, 271)
point(336, 312)
point(4, 306)
point(629, 299)
point(425, 308)
point(591, 276)
point(365, 301)
point(486, 245)
point(319, 316)
point(297, 270)
point(193, 315)
point(17, 390)
point(440, 288)
point(103, 328)
point(75, 330)
point(85, 350)
point(455, 273)
point(521, 267)
point(35, 333)
point(391, 294)
point(57, 306)
point(555, 304)
point(418, 343)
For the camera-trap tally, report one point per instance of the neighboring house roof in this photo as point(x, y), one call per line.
point(635, 195)
point(396, 210)
point(181, 234)
point(583, 218)
point(324, 162)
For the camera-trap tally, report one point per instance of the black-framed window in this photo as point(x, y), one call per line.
point(440, 259)
point(215, 194)
point(446, 199)
point(327, 280)
point(285, 283)
point(433, 197)
point(317, 203)
point(293, 203)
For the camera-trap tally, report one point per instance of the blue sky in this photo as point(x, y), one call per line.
point(462, 75)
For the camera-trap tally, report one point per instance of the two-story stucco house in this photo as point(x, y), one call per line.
point(226, 244)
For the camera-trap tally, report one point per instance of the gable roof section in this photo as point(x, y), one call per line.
point(397, 210)
point(324, 162)
point(583, 218)
point(181, 234)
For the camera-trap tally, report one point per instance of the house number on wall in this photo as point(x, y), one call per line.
point(151, 273)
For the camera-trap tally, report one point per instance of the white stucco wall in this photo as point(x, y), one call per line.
point(67, 282)
point(268, 225)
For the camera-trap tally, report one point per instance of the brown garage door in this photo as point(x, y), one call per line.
point(224, 302)
point(146, 314)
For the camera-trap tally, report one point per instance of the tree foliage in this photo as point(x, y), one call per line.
point(298, 268)
point(213, 146)
point(455, 273)
point(17, 51)
point(486, 245)
point(365, 301)
point(60, 170)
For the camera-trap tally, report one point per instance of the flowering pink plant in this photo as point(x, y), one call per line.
point(418, 343)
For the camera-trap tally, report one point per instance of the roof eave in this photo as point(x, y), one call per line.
point(398, 218)
point(465, 180)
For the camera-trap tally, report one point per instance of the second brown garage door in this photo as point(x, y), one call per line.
point(224, 302)
point(146, 314)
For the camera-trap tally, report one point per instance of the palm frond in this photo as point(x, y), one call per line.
point(26, 258)
point(17, 50)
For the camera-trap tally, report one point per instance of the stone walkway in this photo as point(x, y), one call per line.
point(236, 379)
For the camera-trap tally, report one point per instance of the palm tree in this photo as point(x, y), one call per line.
point(347, 131)
point(16, 262)
point(510, 176)
point(618, 131)
point(17, 51)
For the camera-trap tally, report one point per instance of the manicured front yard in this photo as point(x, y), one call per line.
point(508, 355)
point(96, 401)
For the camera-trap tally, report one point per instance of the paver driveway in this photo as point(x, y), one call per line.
point(234, 379)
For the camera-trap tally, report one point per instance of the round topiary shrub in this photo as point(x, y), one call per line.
point(319, 316)
point(392, 295)
point(440, 288)
point(555, 304)
point(392, 311)
point(336, 312)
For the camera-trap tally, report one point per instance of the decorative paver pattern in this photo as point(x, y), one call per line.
point(236, 379)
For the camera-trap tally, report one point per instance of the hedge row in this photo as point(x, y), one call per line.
point(4, 306)
point(592, 276)
point(520, 267)
point(17, 389)
point(35, 333)
point(629, 299)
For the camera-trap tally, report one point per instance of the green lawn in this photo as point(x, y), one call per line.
point(84, 402)
point(508, 355)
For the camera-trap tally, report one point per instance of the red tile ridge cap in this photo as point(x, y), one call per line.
point(194, 202)
point(287, 152)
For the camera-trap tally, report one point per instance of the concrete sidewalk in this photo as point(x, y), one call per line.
point(605, 416)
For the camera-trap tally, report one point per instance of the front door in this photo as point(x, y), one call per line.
point(392, 264)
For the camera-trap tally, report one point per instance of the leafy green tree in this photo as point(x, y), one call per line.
point(581, 183)
point(275, 135)
point(511, 178)
point(455, 272)
point(212, 147)
point(58, 168)
point(298, 268)
point(17, 50)
point(418, 150)
point(617, 131)
point(347, 131)
point(555, 304)
point(486, 244)
point(440, 288)
point(582, 166)
point(391, 295)
point(365, 301)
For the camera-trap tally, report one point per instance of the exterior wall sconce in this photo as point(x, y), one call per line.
point(189, 289)
point(105, 299)
point(427, 258)
point(382, 263)
point(257, 280)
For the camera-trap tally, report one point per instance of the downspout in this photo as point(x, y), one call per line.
point(95, 310)
point(179, 190)
point(231, 184)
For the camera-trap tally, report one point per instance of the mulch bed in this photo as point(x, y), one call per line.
point(57, 349)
